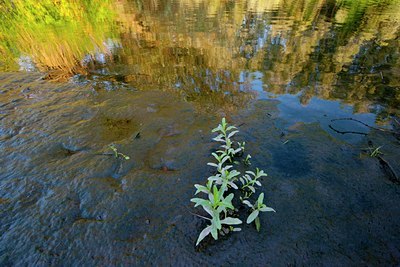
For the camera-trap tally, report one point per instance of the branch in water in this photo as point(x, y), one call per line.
point(346, 132)
point(369, 126)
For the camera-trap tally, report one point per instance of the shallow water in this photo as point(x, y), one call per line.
point(153, 78)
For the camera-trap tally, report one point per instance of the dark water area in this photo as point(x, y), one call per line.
point(314, 87)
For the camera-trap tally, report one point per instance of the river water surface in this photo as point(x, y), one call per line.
point(314, 87)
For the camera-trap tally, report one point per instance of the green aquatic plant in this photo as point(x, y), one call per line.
point(220, 187)
point(118, 154)
point(246, 161)
point(256, 208)
point(248, 182)
point(214, 206)
point(225, 134)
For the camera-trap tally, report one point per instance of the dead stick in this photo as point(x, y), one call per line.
point(346, 132)
point(369, 126)
point(195, 214)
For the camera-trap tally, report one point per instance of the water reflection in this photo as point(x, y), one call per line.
point(214, 52)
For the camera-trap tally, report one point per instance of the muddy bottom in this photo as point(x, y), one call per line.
point(66, 200)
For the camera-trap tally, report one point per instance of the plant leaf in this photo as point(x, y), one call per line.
point(214, 232)
point(260, 173)
point(220, 136)
point(216, 178)
point(267, 209)
point(260, 199)
point(233, 185)
point(200, 201)
point(216, 220)
point(208, 210)
point(231, 133)
point(252, 216)
point(229, 197)
point(226, 168)
point(231, 221)
point(237, 150)
point(218, 158)
point(224, 159)
point(211, 198)
point(200, 188)
point(219, 128)
point(227, 204)
point(221, 209)
point(233, 174)
point(206, 231)
point(247, 203)
point(216, 195)
point(250, 172)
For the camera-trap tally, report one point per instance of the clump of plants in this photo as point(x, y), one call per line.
point(228, 188)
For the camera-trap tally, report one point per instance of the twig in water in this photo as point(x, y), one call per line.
point(346, 132)
point(366, 125)
point(195, 214)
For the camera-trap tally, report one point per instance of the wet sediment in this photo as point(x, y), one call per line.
point(65, 200)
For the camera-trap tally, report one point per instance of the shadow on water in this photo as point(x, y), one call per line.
point(152, 78)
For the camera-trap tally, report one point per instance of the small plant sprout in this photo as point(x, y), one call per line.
point(223, 128)
point(287, 141)
point(118, 154)
point(375, 152)
point(219, 187)
point(241, 145)
point(246, 161)
point(214, 206)
point(225, 134)
point(256, 208)
point(249, 183)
